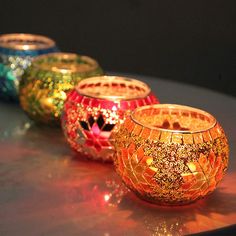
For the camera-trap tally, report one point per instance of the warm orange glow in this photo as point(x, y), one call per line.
point(171, 154)
point(106, 197)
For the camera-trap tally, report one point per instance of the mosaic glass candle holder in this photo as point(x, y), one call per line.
point(16, 53)
point(45, 84)
point(94, 110)
point(171, 154)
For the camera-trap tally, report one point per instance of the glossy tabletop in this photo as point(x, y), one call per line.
point(46, 189)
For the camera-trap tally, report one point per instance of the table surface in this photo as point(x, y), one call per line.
point(46, 190)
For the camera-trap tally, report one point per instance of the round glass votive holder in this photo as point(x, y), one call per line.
point(45, 84)
point(94, 109)
point(171, 154)
point(16, 54)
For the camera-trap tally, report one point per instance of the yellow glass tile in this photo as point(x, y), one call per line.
point(192, 166)
point(153, 168)
point(198, 138)
point(206, 136)
point(177, 138)
point(149, 161)
point(154, 135)
point(187, 138)
point(165, 136)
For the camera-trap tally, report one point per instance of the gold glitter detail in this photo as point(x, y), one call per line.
point(17, 64)
point(43, 89)
point(95, 109)
point(171, 170)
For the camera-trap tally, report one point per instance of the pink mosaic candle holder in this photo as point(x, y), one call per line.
point(94, 110)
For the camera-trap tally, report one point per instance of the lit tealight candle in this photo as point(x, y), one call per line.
point(95, 107)
point(45, 85)
point(171, 154)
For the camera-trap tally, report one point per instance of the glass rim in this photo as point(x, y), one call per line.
point(114, 79)
point(212, 124)
point(21, 41)
point(63, 67)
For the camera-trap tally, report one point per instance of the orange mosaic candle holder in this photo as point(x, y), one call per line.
point(171, 154)
point(95, 107)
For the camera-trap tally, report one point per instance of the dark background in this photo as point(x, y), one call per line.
point(189, 41)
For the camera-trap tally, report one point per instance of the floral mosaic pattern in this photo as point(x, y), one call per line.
point(89, 122)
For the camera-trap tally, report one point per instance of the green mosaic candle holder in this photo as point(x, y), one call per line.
point(45, 84)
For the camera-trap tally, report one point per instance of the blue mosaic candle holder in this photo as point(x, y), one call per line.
point(16, 54)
